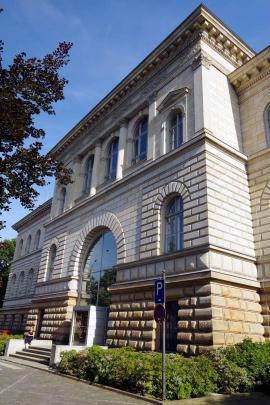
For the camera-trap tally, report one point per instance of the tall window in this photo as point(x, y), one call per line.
point(13, 285)
point(267, 119)
point(30, 281)
point(140, 141)
point(174, 225)
point(112, 159)
point(62, 200)
point(176, 130)
point(88, 170)
point(20, 247)
point(37, 239)
point(51, 262)
point(99, 272)
point(28, 244)
point(20, 287)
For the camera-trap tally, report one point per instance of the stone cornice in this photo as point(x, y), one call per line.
point(35, 214)
point(254, 70)
point(201, 24)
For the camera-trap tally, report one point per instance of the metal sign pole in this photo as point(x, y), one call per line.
point(164, 343)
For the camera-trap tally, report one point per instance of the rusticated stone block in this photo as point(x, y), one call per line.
point(182, 324)
point(183, 302)
point(130, 314)
point(193, 350)
point(203, 338)
point(142, 324)
point(113, 315)
point(235, 327)
point(124, 324)
point(185, 313)
point(184, 337)
point(133, 343)
point(128, 333)
point(123, 315)
point(150, 324)
point(111, 333)
point(149, 345)
point(182, 348)
point(218, 301)
point(136, 305)
point(233, 303)
point(122, 342)
point(205, 326)
point(193, 301)
point(148, 314)
point(109, 342)
point(205, 301)
point(137, 314)
point(256, 329)
point(237, 315)
point(147, 335)
point(150, 305)
point(203, 290)
point(203, 313)
point(193, 325)
point(136, 334)
point(125, 306)
point(134, 324)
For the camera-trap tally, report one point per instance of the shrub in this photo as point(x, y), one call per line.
point(232, 378)
point(254, 357)
point(4, 339)
point(141, 372)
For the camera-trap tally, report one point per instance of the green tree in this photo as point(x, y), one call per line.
point(28, 87)
point(7, 249)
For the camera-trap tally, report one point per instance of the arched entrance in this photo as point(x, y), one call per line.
point(97, 274)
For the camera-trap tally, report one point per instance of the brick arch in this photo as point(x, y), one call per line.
point(265, 197)
point(90, 230)
point(175, 187)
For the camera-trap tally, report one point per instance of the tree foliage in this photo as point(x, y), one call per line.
point(7, 249)
point(28, 87)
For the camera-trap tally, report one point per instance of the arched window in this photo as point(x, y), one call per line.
point(28, 244)
point(30, 281)
point(88, 170)
point(37, 239)
point(51, 262)
point(140, 141)
point(112, 159)
point(62, 200)
point(176, 130)
point(99, 272)
point(20, 287)
point(174, 228)
point(267, 124)
point(20, 247)
point(13, 285)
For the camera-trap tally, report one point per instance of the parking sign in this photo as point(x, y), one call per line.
point(159, 291)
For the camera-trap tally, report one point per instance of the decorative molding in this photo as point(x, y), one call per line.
point(100, 222)
point(175, 187)
point(200, 25)
point(172, 97)
point(201, 60)
point(40, 211)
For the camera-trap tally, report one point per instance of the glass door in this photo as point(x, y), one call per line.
point(80, 328)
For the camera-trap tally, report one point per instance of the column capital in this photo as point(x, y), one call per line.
point(123, 122)
point(152, 97)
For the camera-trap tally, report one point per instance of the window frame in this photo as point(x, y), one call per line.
point(174, 142)
point(112, 160)
point(138, 154)
point(88, 174)
point(51, 261)
point(179, 233)
point(267, 124)
point(62, 200)
point(28, 244)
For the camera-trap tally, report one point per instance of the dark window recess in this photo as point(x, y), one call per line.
point(171, 325)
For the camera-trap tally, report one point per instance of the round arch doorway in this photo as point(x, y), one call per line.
point(98, 273)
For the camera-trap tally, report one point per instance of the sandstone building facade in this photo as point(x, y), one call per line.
point(171, 171)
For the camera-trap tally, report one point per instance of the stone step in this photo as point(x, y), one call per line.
point(37, 355)
point(37, 351)
point(33, 359)
point(44, 349)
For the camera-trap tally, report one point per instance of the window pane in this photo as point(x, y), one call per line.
point(112, 159)
point(98, 272)
point(174, 225)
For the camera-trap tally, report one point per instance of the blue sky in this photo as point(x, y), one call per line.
point(110, 38)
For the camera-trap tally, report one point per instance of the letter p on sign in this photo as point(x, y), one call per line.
point(159, 291)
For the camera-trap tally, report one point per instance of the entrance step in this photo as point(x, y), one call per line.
point(35, 354)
